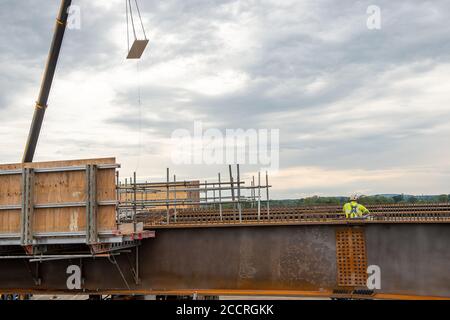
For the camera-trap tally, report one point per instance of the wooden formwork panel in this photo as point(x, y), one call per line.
point(10, 194)
point(9, 221)
point(70, 219)
point(56, 188)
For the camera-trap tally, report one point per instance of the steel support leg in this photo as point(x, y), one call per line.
point(26, 230)
point(91, 208)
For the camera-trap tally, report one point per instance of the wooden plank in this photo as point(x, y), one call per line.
point(106, 216)
point(10, 221)
point(10, 191)
point(57, 164)
point(130, 228)
point(60, 220)
point(60, 187)
point(10, 194)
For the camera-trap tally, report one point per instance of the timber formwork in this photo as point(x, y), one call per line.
point(61, 202)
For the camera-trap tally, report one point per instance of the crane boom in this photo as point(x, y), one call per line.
point(47, 80)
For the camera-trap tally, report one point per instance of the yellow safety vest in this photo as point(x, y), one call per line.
point(354, 210)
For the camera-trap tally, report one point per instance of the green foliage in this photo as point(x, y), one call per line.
point(376, 200)
point(366, 200)
point(398, 198)
point(312, 201)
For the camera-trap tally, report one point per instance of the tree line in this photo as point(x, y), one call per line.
point(366, 200)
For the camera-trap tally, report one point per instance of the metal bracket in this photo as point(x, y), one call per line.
point(135, 268)
point(113, 260)
point(39, 249)
point(110, 247)
point(35, 275)
point(91, 205)
point(26, 223)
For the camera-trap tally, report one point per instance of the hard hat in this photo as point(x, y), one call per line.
point(354, 197)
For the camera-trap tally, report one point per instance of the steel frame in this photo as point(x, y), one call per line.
point(26, 223)
point(91, 205)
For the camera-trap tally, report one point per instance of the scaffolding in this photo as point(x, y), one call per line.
point(139, 201)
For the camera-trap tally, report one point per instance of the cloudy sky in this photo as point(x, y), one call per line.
point(357, 109)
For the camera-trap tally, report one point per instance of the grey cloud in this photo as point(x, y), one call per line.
point(294, 46)
point(302, 57)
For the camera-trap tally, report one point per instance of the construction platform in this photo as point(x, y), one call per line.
point(61, 202)
point(73, 227)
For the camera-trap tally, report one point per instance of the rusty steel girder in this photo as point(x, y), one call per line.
point(296, 260)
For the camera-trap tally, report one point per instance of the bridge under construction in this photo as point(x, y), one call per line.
point(76, 228)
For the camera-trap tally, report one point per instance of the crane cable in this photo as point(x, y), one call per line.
point(129, 17)
point(140, 19)
point(128, 28)
point(130, 20)
point(139, 117)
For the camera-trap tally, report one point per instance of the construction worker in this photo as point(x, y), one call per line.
point(353, 209)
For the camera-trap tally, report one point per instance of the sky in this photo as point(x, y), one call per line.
point(358, 109)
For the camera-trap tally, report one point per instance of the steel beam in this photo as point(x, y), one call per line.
point(278, 260)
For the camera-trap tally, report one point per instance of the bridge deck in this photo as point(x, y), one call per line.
point(294, 253)
point(311, 215)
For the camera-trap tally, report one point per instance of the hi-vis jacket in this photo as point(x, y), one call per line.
point(354, 210)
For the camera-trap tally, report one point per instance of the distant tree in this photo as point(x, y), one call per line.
point(398, 198)
point(366, 200)
point(413, 199)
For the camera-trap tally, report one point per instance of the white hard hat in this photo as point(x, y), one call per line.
point(354, 197)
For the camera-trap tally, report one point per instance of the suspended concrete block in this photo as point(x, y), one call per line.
point(137, 49)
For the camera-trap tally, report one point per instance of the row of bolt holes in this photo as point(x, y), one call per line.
point(354, 273)
point(351, 273)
